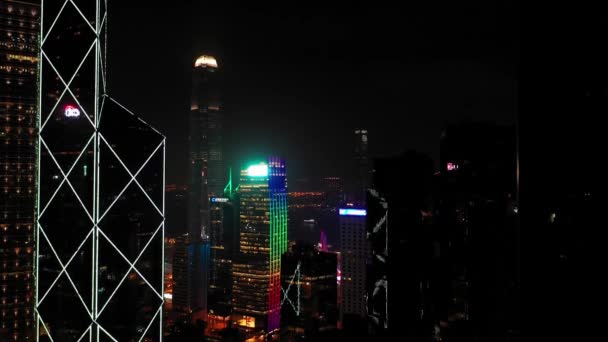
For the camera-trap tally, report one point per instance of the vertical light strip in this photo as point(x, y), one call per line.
point(162, 284)
point(96, 177)
point(38, 152)
point(278, 237)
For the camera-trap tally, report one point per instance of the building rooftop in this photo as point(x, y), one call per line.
point(205, 61)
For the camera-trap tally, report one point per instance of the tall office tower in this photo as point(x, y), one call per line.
point(181, 286)
point(19, 29)
point(263, 239)
point(189, 283)
point(477, 210)
point(224, 245)
point(222, 240)
point(362, 168)
point(100, 232)
point(309, 278)
point(355, 254)
point(333, 189)
point(176, 207)
point(406, 286)
point(205, 136)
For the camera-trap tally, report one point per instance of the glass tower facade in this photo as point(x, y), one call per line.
point(205, 137)
point(19, 29)
point(100, 231)
point(263, 240)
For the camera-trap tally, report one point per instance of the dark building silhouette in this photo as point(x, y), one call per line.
point(362, 168)
point(224, 244)
point(189, 280)
point(477, 212)
point(100, 231)
point(313, 306)
point(177, 210)
point(19, 56)
point(404, 279)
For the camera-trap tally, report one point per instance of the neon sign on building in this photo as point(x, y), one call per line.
point(353, 212)
point(70, 111)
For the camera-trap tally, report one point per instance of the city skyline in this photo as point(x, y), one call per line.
point(331, 69)
point(331, 172)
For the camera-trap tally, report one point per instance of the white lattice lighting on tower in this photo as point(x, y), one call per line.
point(100, 231)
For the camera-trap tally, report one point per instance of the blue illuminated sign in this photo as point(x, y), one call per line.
point(219, 199)
point(353, 212)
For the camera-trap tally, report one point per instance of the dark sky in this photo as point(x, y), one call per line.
point(300, 75)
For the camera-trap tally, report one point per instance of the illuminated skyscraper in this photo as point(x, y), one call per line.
point(205, 137)
point(263, 240)
point(354, 257)
point(19, 29)
point(100, 232)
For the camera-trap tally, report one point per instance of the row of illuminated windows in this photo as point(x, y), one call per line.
point(5, 239)
point(18, 117)
point(21, 58)
point(5, 226)
point(23, 9)
point(15, 275)
point(18, 69)
point(16, 178)
point(17, 130)
point(22, 37)
point(15, 165)
point(19, 46)
point(16, 189)
point(14, 81)
point(20, 23)
point(19, 251)
point(16, 263)
point(22, 142)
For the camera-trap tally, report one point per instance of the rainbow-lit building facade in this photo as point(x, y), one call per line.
point(262, 242)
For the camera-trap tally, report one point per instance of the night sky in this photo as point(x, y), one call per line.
point(300, 75)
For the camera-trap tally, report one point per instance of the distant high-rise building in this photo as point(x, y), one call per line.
point(100, 232)
point(355, 254)
point(177, 210)
point(309, 277)
point(263, 240)
point(205, 136)
point(189, 281)
point(333, 190)
point(362, 176)
point(19, 54)
point(206, 181)
point(223, 239)
point(477, 209)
